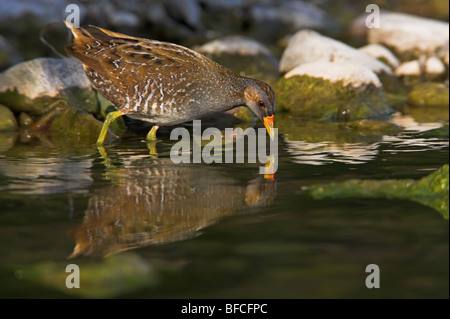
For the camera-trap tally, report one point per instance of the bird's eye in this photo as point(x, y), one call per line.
point(261, 103)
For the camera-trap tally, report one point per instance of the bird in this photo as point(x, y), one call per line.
point(163, 83)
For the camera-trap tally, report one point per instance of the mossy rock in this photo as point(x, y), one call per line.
point(74, 125)
point(315, 98)
point(33, 86)
point(261, 66)
point(7, 120)
point(432, 190)
point(441, 133)
point(429, 94)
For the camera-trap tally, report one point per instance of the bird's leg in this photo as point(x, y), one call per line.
point(109, 119)
point(151, 136)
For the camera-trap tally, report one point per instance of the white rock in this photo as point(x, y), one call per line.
point(410, 68)
point(434, 66)
point(44, 77)
point(380, 52)
point(349, 73)
point(410, 34)
point(234, 45)
point(308, 46)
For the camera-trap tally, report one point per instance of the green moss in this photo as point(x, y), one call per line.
point(261, 66)
point(426, 114)
point(432, 190)
point(7, 120)
point(441, 133)
point(320, 99)
point(429, 94)
point(82, 99)
point(75, 125)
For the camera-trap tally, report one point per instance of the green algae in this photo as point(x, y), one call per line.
point(431, 191)
point(83, 99)
point(261, 66)
point(441, 133)
point(314, 98)
point(7, 120)
point(429, 94)
point(75, 125)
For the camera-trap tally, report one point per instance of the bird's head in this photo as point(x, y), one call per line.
point(259, 97)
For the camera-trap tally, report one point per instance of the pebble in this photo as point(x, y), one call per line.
point(409, 68)
point(434, 66)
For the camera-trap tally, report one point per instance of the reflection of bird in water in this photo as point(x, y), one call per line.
point(162, 204)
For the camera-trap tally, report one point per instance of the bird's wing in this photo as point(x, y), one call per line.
point(121, 67)
point(114, 54)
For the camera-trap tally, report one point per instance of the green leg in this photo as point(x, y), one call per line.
point(151, 136)
point(109, 119)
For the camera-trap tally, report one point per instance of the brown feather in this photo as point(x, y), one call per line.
point(149, 79)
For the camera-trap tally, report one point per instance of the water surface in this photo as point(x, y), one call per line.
point(140, 226)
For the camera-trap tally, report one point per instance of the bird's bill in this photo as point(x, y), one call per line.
point(268, 123)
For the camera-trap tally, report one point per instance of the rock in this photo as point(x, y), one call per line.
point(243, 55)
point(429, 95)
point(34, 86)
point(434, 68)
point(75, 125)
point(317, 97)
point(309, 46)
point(25, 120)
point(409, 36)
point(347, 73)
point(381, 53)
point(410, 68)
point(234, 45)
point(7, 120)
point(431, 190)
point(442, 133)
